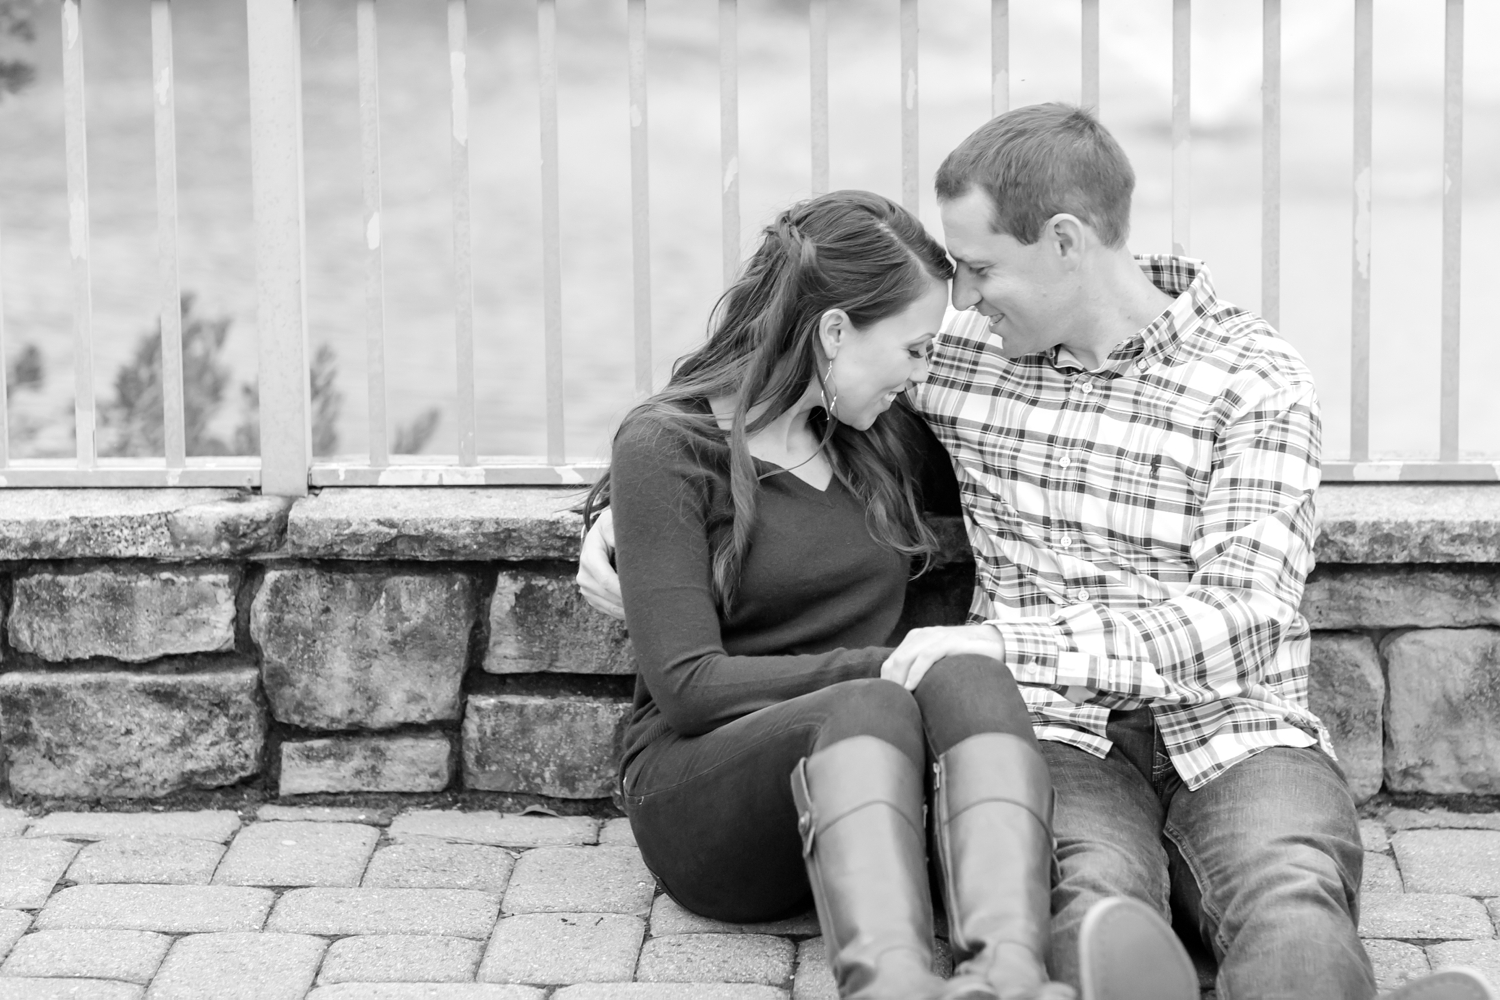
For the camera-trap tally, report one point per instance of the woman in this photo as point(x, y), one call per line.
point(765, 523)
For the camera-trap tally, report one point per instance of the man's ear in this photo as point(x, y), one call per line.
point(833, 328)
point(1068, 237)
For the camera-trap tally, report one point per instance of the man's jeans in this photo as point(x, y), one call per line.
point(1264, 861)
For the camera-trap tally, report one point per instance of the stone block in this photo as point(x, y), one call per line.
point(171, 525)
point(339, 912)
point(157, 860)
point(1440, 819)
point(424, 991)
point(109, 733)
point(170, 909)
point(409, 763)
point(428, 863)
point(1367, 597)
point(379, 816)
point(562, 746)
point(456, 523)
point(1466, 862)
point(284, 854)
point(555, 948)
point(1443, 725)
point(814, 980)
point(1481, 955)
point(239, 967)
point(1373, 834)
point(1408, 523)
point(123, 612)
point(401, 958)
point(216, 825)
point(102, 954)
point(1380, 875)
point(617, 831)
point(13, 822)
point(717, 958)
point(581, 880)
point(670, 917)
point(362, 650)
point(29, 868)
point(669, 991)
point(1346, 689)
point(13, 923)
point(26, 988)
point(498, 829)
point(540, 623)
point(1422, 917)
point(1396, 963)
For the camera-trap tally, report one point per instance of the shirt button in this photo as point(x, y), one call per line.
point(1141, 365)
point(1065, 461)
point(1082, 595)
point(1086, 386)
point(1065, 541)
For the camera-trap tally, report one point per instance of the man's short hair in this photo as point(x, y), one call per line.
point(1038, 161)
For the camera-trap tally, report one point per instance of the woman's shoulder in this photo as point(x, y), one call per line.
point(667, 434)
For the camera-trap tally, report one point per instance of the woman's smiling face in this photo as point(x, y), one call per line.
point(875, 363)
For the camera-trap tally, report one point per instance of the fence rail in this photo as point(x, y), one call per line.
point(287, 466)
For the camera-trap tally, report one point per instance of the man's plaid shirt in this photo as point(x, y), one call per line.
point(1142, 532)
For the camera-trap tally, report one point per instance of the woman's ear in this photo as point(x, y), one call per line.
point(833, 327)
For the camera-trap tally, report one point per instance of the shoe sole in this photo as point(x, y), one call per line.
point(1127, 952)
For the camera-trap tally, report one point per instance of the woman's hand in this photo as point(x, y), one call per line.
point(596, 567)
point(922, 647)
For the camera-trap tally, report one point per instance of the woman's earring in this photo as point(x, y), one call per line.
point(823, 383)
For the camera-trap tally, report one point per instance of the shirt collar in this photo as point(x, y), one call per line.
point(1193, 297)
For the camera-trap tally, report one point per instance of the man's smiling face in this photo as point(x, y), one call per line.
point(1020, 288)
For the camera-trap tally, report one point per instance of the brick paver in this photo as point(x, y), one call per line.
point(239, 967)
point(401, 958)
point(448, 912)
point(581, 880)
point(217, 825)
point(436, 904)
point(18, 988)
point(163, 860)
point(171, 909)
point(298, 854)
point(428, 863)
point(740, 958)
point(132, 956)
point(1455, 861)
point(29, 869)
point(1423, 917)
point(555, 948)
point(498, 829)
point(13, 923)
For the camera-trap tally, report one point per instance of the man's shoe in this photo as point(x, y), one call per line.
point(1445, 984)
point(1126, 951)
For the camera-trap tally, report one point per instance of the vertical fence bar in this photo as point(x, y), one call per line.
point(276, 182)
point(368, 54)
point(78, 232)
point(164, 86)
point(729, 137)
point(817, 36)
point(1453, 203)
point(546, 34)
point(910, 182)
point(1090, 89)
point(1182, 147)
point(999, 56)
point(1359, 340)
point(4, 369)
point(463, 238)
point(640, 195)
point(1270, 163)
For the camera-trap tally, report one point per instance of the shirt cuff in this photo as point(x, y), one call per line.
point(1031, 650)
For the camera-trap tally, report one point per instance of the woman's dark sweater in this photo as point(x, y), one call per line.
point(817, 598)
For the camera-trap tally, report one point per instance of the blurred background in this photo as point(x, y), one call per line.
point(215, 233)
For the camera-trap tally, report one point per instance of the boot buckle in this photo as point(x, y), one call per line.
point(806, 828)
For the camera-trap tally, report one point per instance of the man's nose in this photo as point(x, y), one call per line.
point(965, 292)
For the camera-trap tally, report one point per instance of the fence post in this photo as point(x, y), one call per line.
point(280, 244)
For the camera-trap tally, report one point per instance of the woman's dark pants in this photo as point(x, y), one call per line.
point(713, 814)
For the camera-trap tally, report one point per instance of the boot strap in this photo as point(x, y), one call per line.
point(807, 825)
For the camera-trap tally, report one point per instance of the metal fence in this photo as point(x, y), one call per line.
point(287, 466)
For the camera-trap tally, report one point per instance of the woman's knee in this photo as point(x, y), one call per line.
point(873, 707)
point(965, 695)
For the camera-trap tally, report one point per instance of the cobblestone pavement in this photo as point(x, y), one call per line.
point(339, 904)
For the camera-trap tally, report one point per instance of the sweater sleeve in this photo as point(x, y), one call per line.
point(660, 498)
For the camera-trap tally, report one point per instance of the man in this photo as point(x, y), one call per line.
point(1137, 461)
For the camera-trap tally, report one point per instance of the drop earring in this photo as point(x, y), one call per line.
point(823, 384)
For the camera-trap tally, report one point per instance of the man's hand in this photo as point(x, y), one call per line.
point(922, 647)
point(596, 567)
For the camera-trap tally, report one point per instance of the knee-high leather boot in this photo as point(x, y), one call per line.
point(993, 826)
point(859, 805)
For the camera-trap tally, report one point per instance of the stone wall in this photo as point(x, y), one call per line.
point(423, 640)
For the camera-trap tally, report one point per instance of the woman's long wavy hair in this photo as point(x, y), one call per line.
point(849, 250)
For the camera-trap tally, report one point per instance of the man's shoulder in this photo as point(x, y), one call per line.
point(1245, 346)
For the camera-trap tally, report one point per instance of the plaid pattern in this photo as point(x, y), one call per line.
point(1142, 532)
